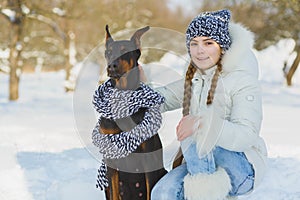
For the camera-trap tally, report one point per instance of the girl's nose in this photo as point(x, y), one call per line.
point(200, 49)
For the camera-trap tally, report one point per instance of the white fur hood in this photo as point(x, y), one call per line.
point(240, 57)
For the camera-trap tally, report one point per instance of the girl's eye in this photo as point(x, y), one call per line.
point(193, 43)
point(209, 43)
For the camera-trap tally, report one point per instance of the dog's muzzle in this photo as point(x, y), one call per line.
point(113, 70)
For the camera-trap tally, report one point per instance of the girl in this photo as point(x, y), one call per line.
point(219, 132)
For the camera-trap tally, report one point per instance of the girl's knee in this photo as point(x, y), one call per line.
point(243, 188)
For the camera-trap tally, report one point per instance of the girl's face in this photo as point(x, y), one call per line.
point(205, 52)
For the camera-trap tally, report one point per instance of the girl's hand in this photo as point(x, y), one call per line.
point(187, 126)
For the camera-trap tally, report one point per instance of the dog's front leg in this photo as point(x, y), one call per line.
point(114, 192)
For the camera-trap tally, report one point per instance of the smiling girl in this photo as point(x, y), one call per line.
point(224, 156)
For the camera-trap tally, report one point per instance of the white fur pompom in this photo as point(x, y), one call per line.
point(201, 186)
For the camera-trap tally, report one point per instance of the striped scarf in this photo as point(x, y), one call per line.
point(113, 103)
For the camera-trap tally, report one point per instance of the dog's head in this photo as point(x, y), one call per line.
point(122, 59)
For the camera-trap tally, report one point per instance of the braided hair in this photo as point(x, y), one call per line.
point(188, 93)
point(188, 86)
point(188, 89)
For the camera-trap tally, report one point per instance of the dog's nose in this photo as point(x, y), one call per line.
point(112, 69)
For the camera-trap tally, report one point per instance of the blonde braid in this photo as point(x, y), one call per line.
point(188, 89)
point(214, 82)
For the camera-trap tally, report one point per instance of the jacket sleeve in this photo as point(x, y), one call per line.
point(241, 130)
point(173, 93)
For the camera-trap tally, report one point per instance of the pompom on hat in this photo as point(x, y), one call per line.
point(210, 24)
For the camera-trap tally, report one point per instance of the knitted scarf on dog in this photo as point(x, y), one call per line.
point(113, 103)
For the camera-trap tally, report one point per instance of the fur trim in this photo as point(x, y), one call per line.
point(239, 57)
point(201, 186)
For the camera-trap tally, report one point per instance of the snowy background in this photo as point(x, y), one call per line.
point(44, 137)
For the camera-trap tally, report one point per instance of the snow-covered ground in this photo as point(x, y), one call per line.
point(45, 136)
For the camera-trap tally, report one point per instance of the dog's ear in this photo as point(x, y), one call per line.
point(108, 38)
point(136, 37)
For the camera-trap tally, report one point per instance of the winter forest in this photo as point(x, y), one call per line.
point(51, 61)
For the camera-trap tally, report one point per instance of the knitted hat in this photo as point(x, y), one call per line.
point(210, 24)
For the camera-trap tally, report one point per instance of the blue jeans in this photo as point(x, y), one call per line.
point(236, 165)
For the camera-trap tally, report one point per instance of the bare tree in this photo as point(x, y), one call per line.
point(282, 21)
point(14, 14)
point(17, 13)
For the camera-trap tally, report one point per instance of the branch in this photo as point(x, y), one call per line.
point(50, 22)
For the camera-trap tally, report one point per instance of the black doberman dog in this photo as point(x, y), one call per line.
point(122, 69)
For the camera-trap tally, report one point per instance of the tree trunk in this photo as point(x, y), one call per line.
point(15, 49)
point(294, 66)
point(68, 66)
point(13, 76)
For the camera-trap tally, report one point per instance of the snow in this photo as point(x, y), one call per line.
point(11, 14)
point(45, 147)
